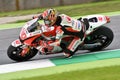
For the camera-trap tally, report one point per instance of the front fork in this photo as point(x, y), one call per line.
point(25, 50)
point(19, 44)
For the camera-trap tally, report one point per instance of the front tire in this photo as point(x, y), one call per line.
point(102, 35)
point(14, 53)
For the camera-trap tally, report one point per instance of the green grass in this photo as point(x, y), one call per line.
point(74, 10)
point(11, 25)
point(106, 73)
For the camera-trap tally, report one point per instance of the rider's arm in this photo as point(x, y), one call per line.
point(59, 33)
point(48, 33)
point(66, 20)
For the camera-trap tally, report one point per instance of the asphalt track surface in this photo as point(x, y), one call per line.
point(9, 35)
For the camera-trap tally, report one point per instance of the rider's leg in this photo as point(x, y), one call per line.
point(72, 46)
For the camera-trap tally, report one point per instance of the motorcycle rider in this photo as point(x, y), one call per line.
point(69, 26)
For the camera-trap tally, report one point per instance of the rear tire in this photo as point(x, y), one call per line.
point(14, 53)
point(104, 35)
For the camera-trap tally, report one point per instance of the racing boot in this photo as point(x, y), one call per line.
point(68, 53)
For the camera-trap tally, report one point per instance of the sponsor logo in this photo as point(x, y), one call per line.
point(100, 18)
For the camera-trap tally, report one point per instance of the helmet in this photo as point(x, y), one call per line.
point(49, 16)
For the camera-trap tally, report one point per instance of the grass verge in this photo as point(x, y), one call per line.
point(73, 10)
point(106, 73)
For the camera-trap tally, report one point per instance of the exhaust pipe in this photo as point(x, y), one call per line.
point(89, 46)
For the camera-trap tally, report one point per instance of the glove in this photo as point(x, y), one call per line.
point(34, 17)
point(40, 17)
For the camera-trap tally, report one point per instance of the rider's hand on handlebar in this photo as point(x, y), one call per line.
point(39, 16)
point(34, 17)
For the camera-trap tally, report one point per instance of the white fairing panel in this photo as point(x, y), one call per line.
point(16, 43)
point(100, 20)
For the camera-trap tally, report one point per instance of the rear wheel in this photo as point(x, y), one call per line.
point(102, 35)
point(14, 53)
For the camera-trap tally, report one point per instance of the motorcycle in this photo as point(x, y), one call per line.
point(97, 38)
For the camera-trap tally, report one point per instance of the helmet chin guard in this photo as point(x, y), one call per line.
point(47, 22)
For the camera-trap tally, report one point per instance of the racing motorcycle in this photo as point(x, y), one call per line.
point(98, 37)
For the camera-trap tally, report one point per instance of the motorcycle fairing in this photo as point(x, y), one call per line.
point(16, 43)
point(29, 41)
point(95, 21)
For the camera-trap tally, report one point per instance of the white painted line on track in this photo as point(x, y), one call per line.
point(25, 66)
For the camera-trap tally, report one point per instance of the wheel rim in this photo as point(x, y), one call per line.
point(17, 51)
point(103, 40)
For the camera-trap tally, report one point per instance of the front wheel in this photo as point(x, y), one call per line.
point(14, 53)
point(102, 35)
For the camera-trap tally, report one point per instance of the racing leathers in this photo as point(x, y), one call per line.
point(72, 27)
point(68, 27)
